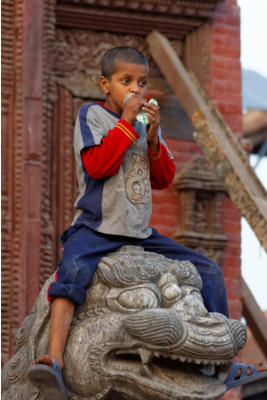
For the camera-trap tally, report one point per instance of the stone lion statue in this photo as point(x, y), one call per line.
point(143, 332)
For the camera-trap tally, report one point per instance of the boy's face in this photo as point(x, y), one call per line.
point(127, 78)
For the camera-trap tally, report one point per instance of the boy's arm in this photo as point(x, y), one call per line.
point(162, 168)
point(105, 159)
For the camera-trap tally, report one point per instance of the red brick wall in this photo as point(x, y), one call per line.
point(165, 202)
point(213, 54)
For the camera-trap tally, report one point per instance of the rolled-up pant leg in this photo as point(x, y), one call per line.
point(213, 290)
point(83, 249)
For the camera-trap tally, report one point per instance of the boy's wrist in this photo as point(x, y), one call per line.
point(154, 145)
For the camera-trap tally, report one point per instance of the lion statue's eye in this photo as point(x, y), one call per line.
point(171, 292)
point(139, 298)
point(134, 298)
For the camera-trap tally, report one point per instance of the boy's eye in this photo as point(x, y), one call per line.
point(142, 83)
point(125, 80)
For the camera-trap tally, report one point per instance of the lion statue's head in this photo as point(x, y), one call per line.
point(143, 332)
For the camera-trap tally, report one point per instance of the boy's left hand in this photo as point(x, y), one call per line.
point(152, 112)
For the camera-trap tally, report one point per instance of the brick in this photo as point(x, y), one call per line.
point(227, 108)
point(232, 227)
point(232, 272)
point(165, 196)
point(234, 239)
point(229, 224)
point(226, 96)
point(218, 61)
point(233, 262)
point(234, 122)
point(233, 288)
point(232, 251)
point(226, 83)
point(229, 207)
point(181, 145)
point(230, 86)
point(227, 20)
point(165, 220)
point(226, 40)
point(163, 230)
point(225, 51)
point(235, 309)
point(170, 212)
point(225, 29)
point(159, 209)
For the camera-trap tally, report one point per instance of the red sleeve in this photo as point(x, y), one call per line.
point(162, 168)
point(105, 159)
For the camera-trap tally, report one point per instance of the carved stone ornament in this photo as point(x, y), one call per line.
point(143, 332)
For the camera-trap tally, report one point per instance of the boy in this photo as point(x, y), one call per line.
point(118, 161)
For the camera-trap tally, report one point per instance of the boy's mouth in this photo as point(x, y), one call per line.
point(128, 96)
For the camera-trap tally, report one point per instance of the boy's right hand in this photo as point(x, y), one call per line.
point(131, 108)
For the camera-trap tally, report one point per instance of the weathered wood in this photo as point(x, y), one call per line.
point(255, 318)
point(215, 138)
point(135, 17)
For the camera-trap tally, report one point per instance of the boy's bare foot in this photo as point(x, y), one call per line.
point(46, 360)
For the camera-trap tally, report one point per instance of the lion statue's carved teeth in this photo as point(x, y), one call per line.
point(143, 332)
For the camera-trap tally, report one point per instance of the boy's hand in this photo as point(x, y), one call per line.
point(152, 112)
point(132, 107)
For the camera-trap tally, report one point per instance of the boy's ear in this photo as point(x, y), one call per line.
point(104, 84)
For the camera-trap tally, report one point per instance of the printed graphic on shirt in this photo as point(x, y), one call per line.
point(136, 180)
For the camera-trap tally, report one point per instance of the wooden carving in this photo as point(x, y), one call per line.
point(12, 158)
point(200, 194)
point(173, 18)
point(216, 139)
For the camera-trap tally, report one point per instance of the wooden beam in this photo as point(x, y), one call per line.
point(124, 21)
point(215, 138)
point(255, 318)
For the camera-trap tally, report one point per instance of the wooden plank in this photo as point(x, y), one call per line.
point(255, 318)
point(215, 138)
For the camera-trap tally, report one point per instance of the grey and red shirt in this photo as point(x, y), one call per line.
point(116, 171)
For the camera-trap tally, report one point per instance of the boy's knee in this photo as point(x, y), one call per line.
point(72, 292)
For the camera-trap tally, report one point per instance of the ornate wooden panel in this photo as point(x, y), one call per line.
point(200, 194)
point(12, 159)
point(173, 18)
point(47, 245)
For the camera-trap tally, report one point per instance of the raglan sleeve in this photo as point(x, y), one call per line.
point(102, 150)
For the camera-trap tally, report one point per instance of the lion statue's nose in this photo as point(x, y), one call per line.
point(157, 327)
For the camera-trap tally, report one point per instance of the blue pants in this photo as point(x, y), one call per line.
point(83, 249)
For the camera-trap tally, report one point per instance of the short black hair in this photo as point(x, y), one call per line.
point(126, 54)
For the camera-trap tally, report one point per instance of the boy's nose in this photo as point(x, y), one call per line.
point(135, 88)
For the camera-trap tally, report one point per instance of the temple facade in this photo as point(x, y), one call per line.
point(51, 52)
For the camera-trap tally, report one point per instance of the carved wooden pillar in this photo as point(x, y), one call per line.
point(200, 195)
point(28, 28)
point(64, 182)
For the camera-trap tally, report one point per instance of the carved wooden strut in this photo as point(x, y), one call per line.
point(215, 139)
